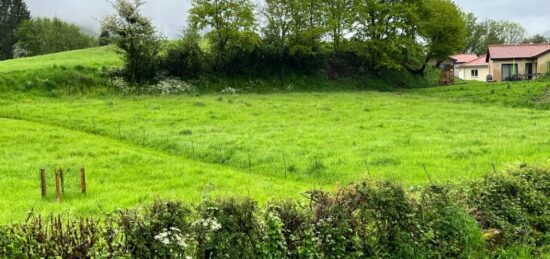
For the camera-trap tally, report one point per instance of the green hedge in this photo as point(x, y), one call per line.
point(505, 214)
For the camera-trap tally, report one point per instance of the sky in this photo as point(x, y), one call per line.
point(170, 15)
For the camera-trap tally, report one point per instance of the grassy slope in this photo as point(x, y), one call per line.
point(119, 174)
point(93, 57)
point(395, 134)
point(323, 137)
point(513, 94)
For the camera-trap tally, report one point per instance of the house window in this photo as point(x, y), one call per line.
point(474, 72)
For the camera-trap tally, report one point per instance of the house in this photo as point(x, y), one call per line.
point(453, 62)
point(518, 62)
point(477, 69)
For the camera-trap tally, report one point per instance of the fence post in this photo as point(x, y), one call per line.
point(83, 179)
point(57, 187)
point(43, 182)
point(62, 178)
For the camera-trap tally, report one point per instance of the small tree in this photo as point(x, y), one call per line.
point(135, 35)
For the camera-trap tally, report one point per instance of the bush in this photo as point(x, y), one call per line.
point(512, 206)
point(228, 228)
point(184, 59)
point(367, 219)
point(161, 230)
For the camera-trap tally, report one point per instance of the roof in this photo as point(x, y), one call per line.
point(517, 51)
point(463, 58)
point(478, 62)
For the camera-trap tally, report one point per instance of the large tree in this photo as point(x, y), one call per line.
point(230, 25)
point(136, 36)
point(12, 14)
point(482, 34)
point(384, 31)
point(442, 30)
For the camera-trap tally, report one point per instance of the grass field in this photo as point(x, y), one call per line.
point(263, 145)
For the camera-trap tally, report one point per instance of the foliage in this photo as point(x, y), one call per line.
point(55, 236)
point(537, 39)
point(184, 58)
point(513, 206)
point(230, 25)
point(443, 29)
point(12, 14)
point(44, 35)
point(235, 229)
point(368, 219)
point(481, 34)
point(135, 35)
point(161, 230)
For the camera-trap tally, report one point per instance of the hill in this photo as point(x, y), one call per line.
point(91, 58)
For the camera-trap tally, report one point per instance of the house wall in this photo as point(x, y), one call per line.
point(482, 72)
point(542, 63)
point(495, 66)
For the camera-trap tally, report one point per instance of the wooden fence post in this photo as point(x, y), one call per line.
point(43, 182)
point(83, 179)
point(57, 187)
point(62, 178)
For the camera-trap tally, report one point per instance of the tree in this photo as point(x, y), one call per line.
point(294, 29)
point(537, 39)
point(475, 33)
point(135, 35)
point(442, 29)
point(45, 35)
point(339, 20)
point(230, 25)
point(384, 31)
point(306, 31)
point(482, 34)
point(277, 17)
point(12, 14)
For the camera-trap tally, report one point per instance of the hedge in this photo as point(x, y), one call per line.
point(504, 214)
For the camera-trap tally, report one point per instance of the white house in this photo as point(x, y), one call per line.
point(477, 69)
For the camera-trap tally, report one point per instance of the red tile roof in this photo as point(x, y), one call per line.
point(463, 58)
point(517, 51)
point(481, 61)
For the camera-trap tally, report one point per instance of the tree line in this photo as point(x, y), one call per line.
point(22, 36)
point(341, 37)
point(344, 36)
point(232, 37)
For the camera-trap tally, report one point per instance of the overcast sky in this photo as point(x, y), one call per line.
point(170, 15)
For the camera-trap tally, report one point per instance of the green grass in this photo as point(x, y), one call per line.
point(513, 94)
point(119, 174)
point(92, 58)
point(264, 145)
point(143, 145)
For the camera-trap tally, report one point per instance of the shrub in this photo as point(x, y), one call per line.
point(512, 206)
point(161, 230)
point(52, 237)
point(184, 59)
point(230, 227)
